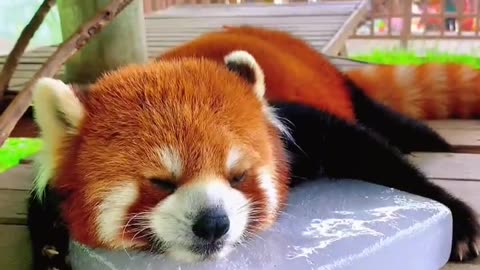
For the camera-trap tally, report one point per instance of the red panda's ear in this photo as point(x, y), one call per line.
point(57, 112)
point(57, 108)
point(245, 65)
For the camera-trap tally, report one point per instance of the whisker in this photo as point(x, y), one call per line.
point(123, 233)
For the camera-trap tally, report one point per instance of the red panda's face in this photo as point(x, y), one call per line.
point(182, 157)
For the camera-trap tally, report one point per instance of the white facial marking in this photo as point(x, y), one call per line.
point(172, 219)
point(171, 159)
point(267, 183)
point(234, 156)
point(113, 211)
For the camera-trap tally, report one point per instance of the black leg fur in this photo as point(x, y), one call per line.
point(49, 236)
point(407, 134)
point(327, 146)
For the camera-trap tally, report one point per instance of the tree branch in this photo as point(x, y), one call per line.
point(22, 101)
point(27, 33)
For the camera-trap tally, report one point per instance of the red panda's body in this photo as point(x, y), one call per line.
point(311, 79)
point(427, 91)
point(195, 152)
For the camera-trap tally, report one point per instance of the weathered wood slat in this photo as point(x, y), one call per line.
point(452, 166)
point(265, 21)
point(455, 124)
point(18, 178)
point(181, 29)
point(40, 55)
point(154, 38)
point(15, 251)
point(255, 10)
point(464, 135)
point(467, 191)
point(13, 206)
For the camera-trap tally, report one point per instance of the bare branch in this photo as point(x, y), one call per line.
point(22, 43)
point(22, 101)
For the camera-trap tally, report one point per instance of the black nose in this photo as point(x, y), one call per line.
point(211, 225)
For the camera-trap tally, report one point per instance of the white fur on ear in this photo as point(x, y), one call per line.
point(238, 60)
point(58, 112)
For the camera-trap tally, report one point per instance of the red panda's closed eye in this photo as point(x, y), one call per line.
point(238, 178)
point(163, 184)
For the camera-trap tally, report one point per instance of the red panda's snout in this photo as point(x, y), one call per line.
point(201, 220)
point(182, 157)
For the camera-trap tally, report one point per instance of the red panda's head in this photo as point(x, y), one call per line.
point(182, 157)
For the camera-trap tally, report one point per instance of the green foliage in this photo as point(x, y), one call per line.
point(16, 149)
point(402, 57)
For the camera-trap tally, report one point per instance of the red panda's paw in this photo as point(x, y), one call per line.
point(53, 259)
point(466, 250)
point(466, 234)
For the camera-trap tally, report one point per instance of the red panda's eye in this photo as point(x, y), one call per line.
point(164, 184)
point(238, 178)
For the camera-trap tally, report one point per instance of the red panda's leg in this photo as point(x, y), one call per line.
point(327, 146)
point(48, 235)
point(407, 134)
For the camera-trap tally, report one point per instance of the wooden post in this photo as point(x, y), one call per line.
point(121, 42)
point(405, 35)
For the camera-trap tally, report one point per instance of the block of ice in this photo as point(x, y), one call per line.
point(327, 225)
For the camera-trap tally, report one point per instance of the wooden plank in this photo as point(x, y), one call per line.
point(276, 11)
point(345, 64)
point(18, 178)
point(15, 253)
point(13, 206)
point(451, 166)
point(26, 71)
point(464, 135)
point(467, 191)
point(38, 58)
point(455, 124)
point(182, 22)
point(310, 36)
point(216, 10)
point(473, 265)
point(155, 26)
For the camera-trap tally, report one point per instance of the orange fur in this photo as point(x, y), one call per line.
point(427, 91)
point(133, 111)
point(302, 76)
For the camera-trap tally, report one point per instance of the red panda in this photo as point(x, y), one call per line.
point(191, 154)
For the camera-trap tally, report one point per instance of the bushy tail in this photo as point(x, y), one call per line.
point(427, 91)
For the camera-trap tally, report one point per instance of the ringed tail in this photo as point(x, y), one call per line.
point(423, 92)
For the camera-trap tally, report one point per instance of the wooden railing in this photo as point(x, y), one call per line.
point(150, 6)
point(427, 19)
